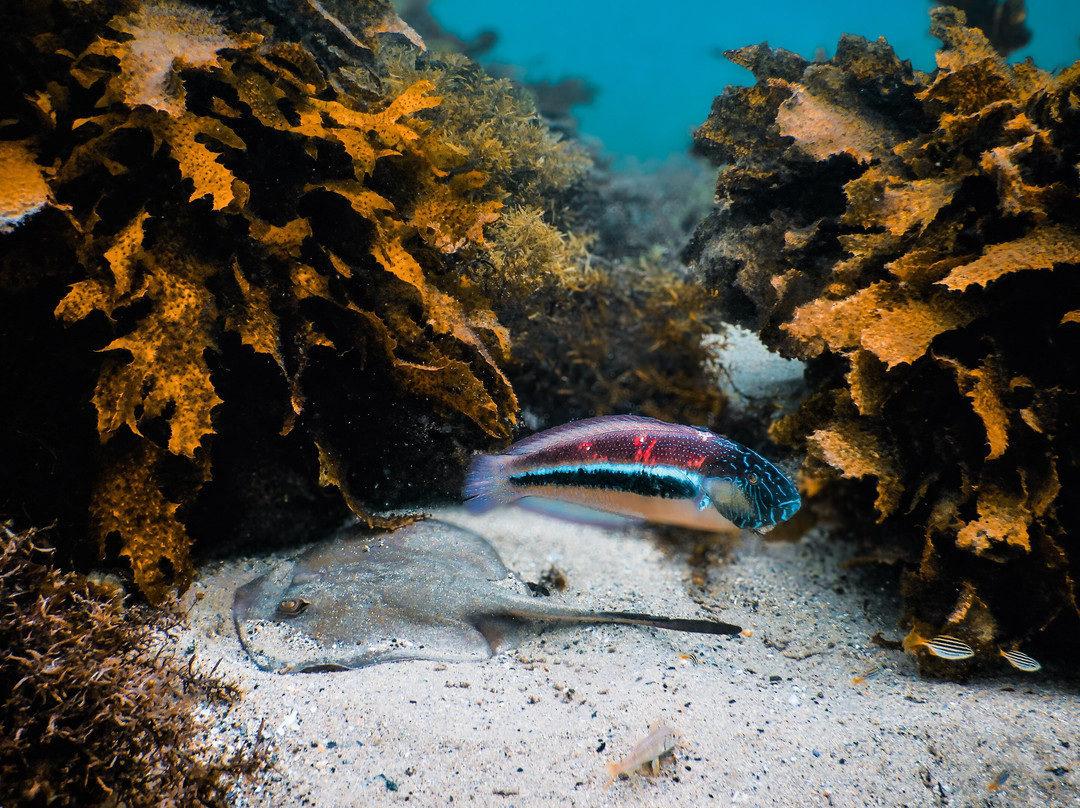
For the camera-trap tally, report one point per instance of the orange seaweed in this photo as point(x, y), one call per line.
point(936, 305)
point(261, 231)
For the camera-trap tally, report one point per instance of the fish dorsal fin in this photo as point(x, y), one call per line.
point(583, 429)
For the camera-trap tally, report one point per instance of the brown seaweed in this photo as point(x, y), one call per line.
point(913, 236)
point(257, 228)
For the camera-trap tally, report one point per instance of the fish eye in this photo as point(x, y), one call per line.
point(752, 478)
point(292, 607)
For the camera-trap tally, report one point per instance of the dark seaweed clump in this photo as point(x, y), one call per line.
point(91, 712)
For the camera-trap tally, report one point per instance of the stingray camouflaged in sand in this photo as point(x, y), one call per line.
point(772, 719)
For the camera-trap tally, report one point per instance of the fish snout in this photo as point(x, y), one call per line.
point(788, 508)
point(773, 496)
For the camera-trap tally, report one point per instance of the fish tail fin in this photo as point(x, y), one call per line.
point(613, 770)
point(486, 486)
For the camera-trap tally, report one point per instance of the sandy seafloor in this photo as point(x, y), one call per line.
point(772, 719)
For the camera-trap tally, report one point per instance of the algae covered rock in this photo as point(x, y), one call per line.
point(1003, 22)
point(914, 237)
point(235, 264)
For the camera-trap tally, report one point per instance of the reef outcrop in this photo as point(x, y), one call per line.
point(1003, 22)
point(914, 237)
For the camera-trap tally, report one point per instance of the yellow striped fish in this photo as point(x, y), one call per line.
point(1021, 661)
point(947, 647)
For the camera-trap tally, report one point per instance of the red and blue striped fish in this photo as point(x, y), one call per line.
point(622, 468)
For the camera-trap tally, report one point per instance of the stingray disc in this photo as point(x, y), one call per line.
point(421, 592)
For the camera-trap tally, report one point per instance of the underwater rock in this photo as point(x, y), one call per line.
point(258, 228)
point(913, 237)
point(756, 382)
point(1003, 22)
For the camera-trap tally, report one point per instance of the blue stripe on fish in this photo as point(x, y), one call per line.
point(633, 478)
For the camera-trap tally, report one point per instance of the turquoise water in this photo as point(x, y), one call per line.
point(657, 75)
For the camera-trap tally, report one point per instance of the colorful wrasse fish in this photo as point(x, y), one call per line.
point(619, 469)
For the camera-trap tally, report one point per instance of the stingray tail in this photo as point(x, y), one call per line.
point(693, 626)
point(690, 625)
point(486, 486)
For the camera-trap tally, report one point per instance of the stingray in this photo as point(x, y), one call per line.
point(427, 591)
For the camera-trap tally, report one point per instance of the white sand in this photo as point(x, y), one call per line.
point(772, 719)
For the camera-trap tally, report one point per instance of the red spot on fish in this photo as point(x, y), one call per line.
point(643, 448)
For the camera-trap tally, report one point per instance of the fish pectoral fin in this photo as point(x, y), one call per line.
point(500, 632)
point(582, 514)
point(494, 632)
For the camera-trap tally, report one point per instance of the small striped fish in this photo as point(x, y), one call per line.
point(1021, 661)
point(948, 647)
point(620, 469)
point(872, 672)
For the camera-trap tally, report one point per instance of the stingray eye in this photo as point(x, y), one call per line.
point(752, 478)
point(292, 607)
